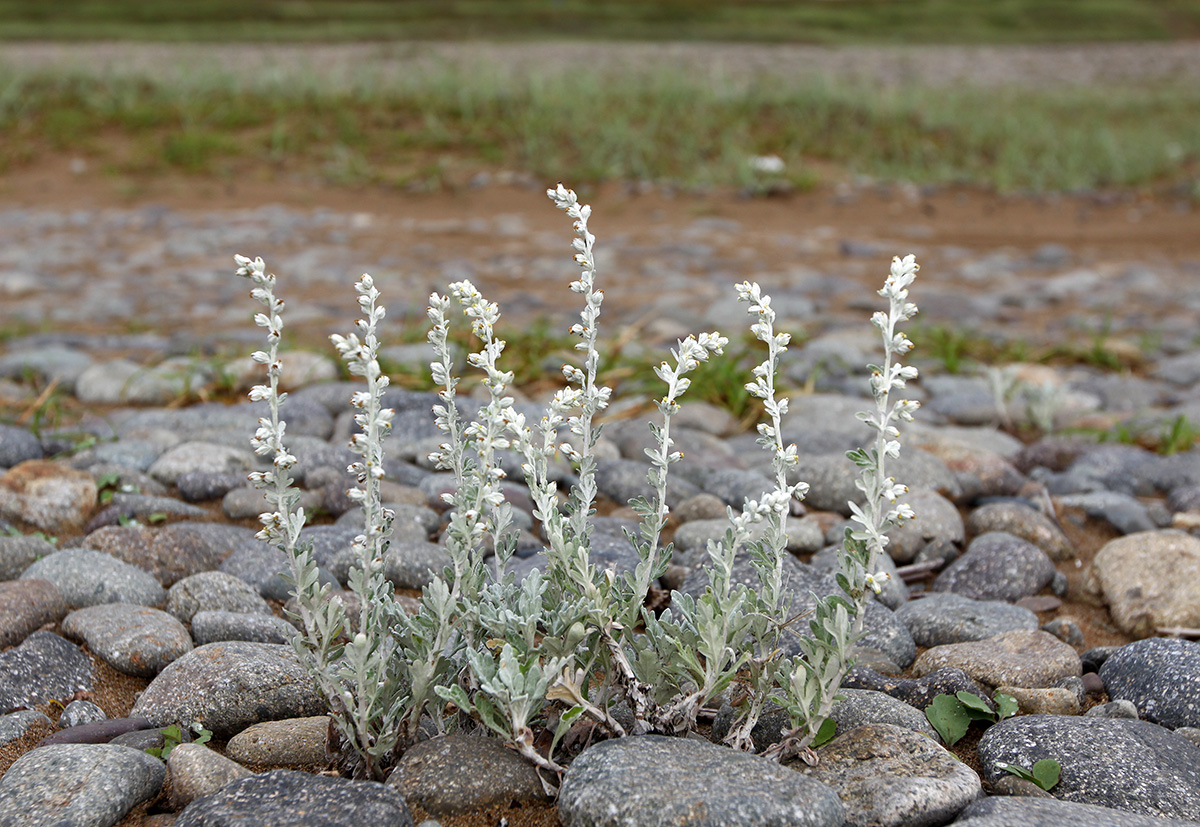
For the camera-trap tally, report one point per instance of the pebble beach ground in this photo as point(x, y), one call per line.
point(1060, 548)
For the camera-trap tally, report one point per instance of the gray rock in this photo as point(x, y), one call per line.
point(91, 578)
point(733, 485)
point(133, 639)
point(25, 606)
point(412, 564)
point(654, 780)
point(19, 552)
point(889, 776)
point(14, 725)
point(17, 445)
point(1124, 469)
point(78, 785)
point(198, 486)
point(1134, 766)
point(189, 457)
point(997, 566)
point(1149, 579)
point(197, 771)
point(48, 495)
point(171, 552)
point(622, 480)
point(229, 686)
point(139, 507)
point(214, 626)
point(43, 668)
point(285, 798)
point(1161, 676)
point(936, 519)
point(261, 566)
point(47, 363)
point(1114, 709)
point(1121, 511)
point(121, 381)
point(1003, 811)
point(78, 713)
point(894, 592)
point(1032, 659)
point(128, 456)
point(213, 591)
point(868, 706)
point(1022, 521)
point(453, 774)
point(293, 743)
point(945, 617)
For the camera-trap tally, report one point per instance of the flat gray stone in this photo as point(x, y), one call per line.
point(889, 776)
point(939, 618)
point(1133, 766)
point(77, 785)
point(936, 518)
point(133, 639)
point(228, 686)
point(1019, 811)
point(14, 725)
point(44, 668)
point(1121, 511)
point(198, 771)
point(213, 626)
point(453, 774)
point(49, 495)
point(292, 743)
point(655, 781)
point(18, 553)
point(1149, 579)
point(413, 563)
point(1022, 521)
point(26, 606)
point(868, 706)
point(1022, 658)
point(91, 578)
point(80, 713)
point(213, 591)
point(1160, 676)
point(212, 457)
point(997, 566)
point(17, 445)
point(286, 798)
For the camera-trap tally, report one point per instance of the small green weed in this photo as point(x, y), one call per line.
point(952, 715)
point(13, 531)
point(1177, 435)
point(173, 737)
point(1044, 773)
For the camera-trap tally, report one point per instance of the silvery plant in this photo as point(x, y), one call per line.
point(572, 649)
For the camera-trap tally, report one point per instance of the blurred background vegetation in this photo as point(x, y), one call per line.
point(440, 125)
point(787, 21)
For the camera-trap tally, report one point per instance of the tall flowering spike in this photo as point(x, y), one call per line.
point(879, 512)
point(362, 358)
point(591, 397)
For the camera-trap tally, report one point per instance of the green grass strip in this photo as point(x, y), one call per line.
point(668, 127)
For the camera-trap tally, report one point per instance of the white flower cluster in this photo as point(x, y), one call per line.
point(880, 512)
point(588, 397)
point(283, 524)
point(784, 458)
point(374, 422)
